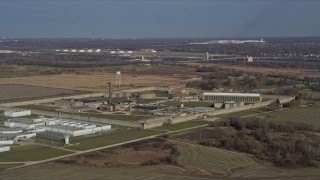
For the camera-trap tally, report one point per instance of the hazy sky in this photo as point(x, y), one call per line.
point(159, 18)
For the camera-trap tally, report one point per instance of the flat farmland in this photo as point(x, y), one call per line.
point(90, 82)
point(68, 172)
point(261, 70)
point(214, 160)
point(310, 115)
point(30, 153)
point(10, 92)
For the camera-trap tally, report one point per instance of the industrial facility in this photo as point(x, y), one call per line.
point(57, 128)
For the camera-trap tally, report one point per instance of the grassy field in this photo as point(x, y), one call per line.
point(162, 94)
point(304, 114)
point(42, 140)
point(39, 107)
point(234, 166)
point(183, 125)
point(53, 171)
point(24, 70)
point(243, 113)
point(139, 113)
point(8, 70)
point(214, 160)
point(187, 104)
point(89, 82)
point(118, 116)
point(30, 153)
point(151, 100)
point(12, 91)
point(7, 166)
point(2, 118)
point(89, 142)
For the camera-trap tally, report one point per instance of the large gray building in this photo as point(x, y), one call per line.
point(237, 97)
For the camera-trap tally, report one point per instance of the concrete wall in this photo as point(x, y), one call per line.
point(156, 122)
point(25, 136)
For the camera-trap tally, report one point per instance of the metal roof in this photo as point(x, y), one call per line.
point(231, 94)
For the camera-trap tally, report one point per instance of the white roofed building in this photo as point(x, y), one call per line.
point(17, 113)
point(237, 97)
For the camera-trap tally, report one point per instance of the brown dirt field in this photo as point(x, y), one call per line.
point(20, 92)
point(94, 82)
point(261, 70)
point(135, 154)
point(122, 157)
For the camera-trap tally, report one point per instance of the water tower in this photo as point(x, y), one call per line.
point(118, 79)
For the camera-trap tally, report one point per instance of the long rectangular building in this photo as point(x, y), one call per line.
point(237, 97)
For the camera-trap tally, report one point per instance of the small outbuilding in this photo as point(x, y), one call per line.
point(17, 113)
point(4, 148)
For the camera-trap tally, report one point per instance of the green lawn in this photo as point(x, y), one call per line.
point(2, 118)
point(89, 142)
point(139, 113)
point(303, 114)
point(187, 104)
point(42, 140)
point(183, 125)
point(30, 153)
point(151, 100)
point(7, 166)
point(162, 94)
point(39, 107)
point(7, 70)
point(243, 113)
point(117, 116)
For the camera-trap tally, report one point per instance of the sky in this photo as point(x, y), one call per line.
point(158, 18)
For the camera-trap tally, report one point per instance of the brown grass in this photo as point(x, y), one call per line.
point(261, 70)
point(94, 82)
point(21, 92)
point(135, 154)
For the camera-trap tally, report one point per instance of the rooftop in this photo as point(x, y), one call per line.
point(66, 128)
point(231, 94)
point(24, 121)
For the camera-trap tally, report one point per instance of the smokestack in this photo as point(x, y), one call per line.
point(110, 94)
